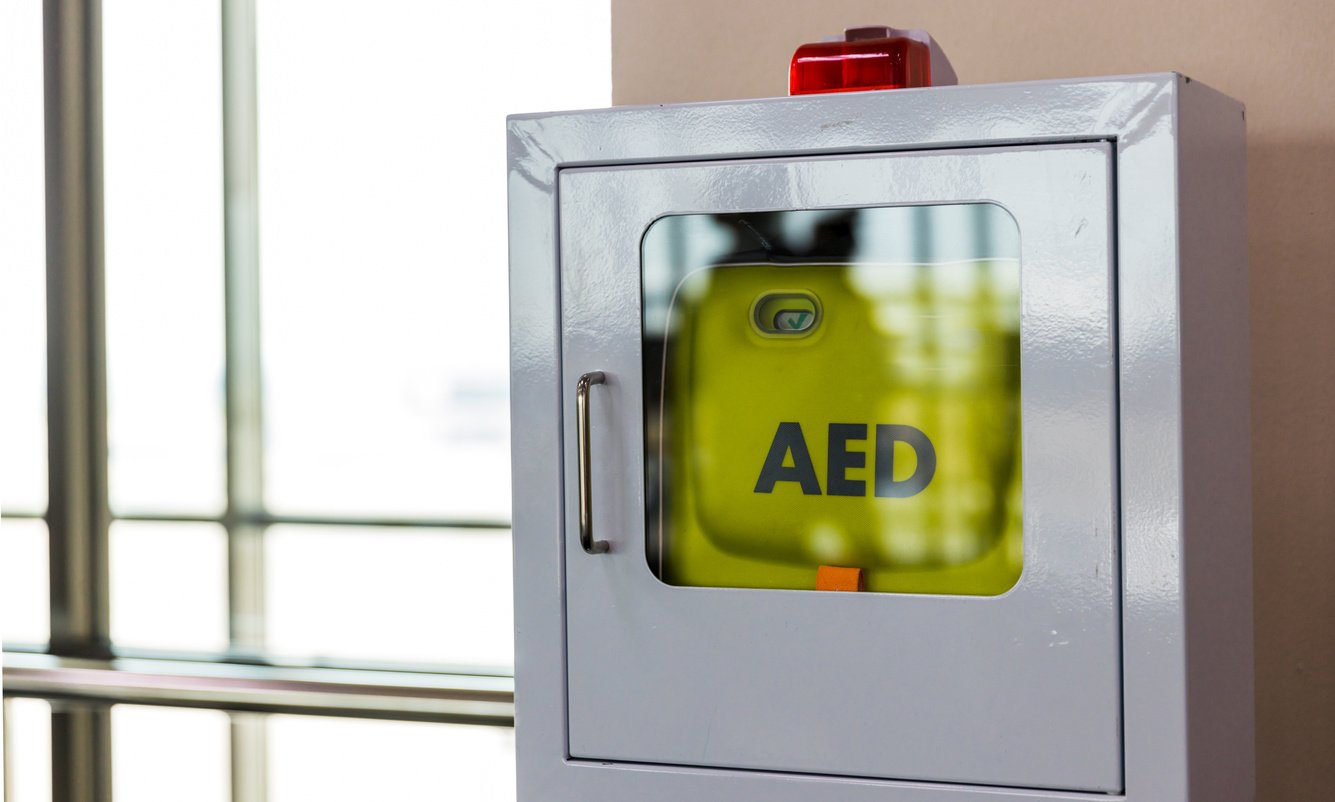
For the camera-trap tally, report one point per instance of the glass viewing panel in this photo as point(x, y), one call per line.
point(833, 399)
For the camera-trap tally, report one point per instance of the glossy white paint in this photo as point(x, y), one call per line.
point(1182, 416)
point(1022, 689)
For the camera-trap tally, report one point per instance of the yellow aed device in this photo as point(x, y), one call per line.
point(859, 415)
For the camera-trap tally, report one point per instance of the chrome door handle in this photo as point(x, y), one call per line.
point(582, 451)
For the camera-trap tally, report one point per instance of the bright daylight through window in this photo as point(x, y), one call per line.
point(306, 392)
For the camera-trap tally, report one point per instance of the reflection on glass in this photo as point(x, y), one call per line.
point(835, 391)
point(162, 124)
point(22, 262)
point(405, 595)
point(24, 582)
point(165, 754)
point(347, 760)
point(169, 586)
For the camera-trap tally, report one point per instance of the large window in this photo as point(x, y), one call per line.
point(255, 444)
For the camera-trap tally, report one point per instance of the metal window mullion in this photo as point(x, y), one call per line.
point(250, 757)
point(6, 758)
point(269, 519)
point(245, 439)
point(81, 752)
point(78, 514)
point(244, 402)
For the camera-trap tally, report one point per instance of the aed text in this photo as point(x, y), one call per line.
point(789, 442)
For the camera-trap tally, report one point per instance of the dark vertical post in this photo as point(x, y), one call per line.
point(78, 515)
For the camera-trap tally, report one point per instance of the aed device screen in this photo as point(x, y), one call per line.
point(833, 399)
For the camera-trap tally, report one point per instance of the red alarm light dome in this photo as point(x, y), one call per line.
point(870, 57)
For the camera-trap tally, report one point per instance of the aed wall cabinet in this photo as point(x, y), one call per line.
point(884, 446)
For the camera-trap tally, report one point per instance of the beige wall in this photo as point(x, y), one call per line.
point(1278, 58)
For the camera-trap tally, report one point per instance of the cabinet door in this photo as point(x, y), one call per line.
point(854, 462)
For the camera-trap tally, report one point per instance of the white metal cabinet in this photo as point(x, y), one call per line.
point(631, 689)
point(1020, 689)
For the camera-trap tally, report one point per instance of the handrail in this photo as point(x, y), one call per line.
point(452, 698)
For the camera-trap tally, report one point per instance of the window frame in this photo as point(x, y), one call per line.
point(80, 670)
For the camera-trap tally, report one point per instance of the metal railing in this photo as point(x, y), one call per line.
point(402, 695)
